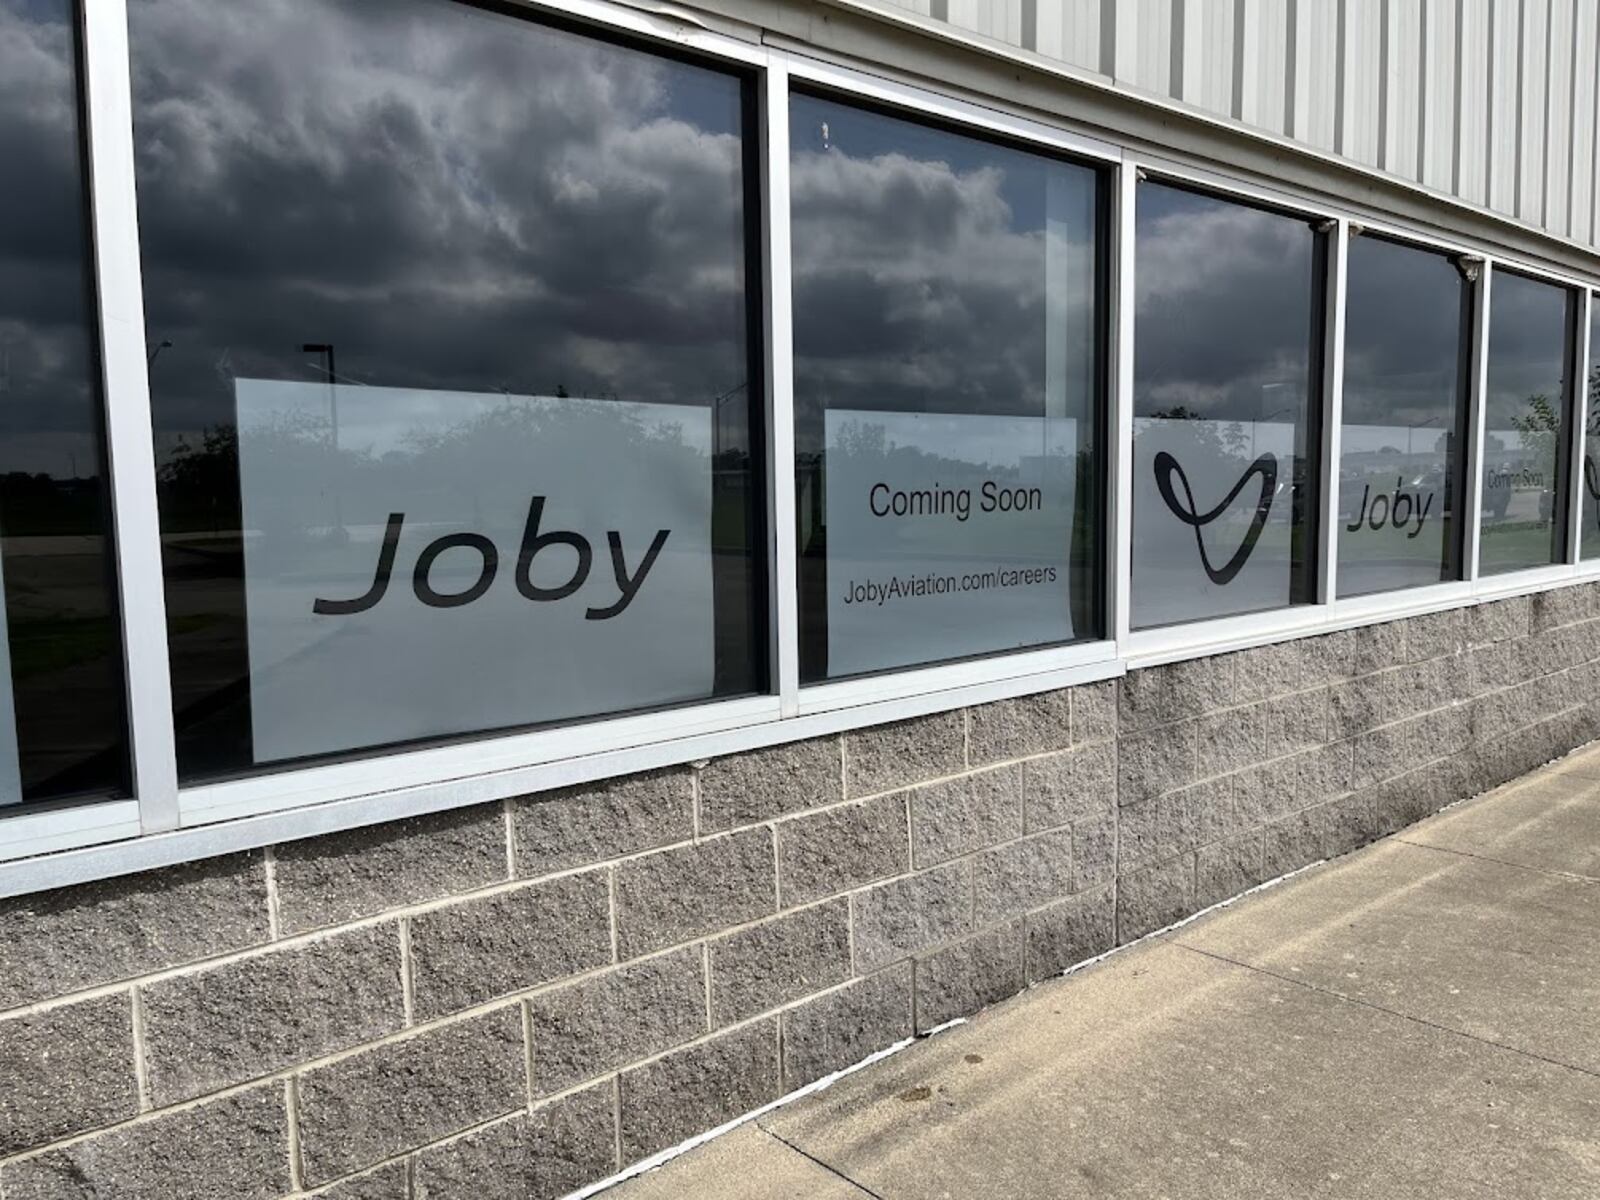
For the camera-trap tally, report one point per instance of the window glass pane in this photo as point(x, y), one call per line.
point(1524, 424)
point(1589, 548)
point(451, 373)
point(947, 392)
point(61, 723)
point(1407, 331)
point(1227, 359)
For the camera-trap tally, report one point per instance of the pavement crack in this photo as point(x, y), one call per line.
point(1368, 1004)
point(1574, 876)
point(828, 1167)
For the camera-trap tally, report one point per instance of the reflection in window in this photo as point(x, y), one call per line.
point(1589, 497)
point(1227, 364)
point(947, 392)
point(451, 373)
point(1407, 334)
point(61, 723)
point(1524, 424)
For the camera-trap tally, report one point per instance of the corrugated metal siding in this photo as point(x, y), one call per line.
point(1492, 100)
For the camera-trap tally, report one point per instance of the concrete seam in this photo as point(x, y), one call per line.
point(829, 1168)
point(1568, 876)
point(1368, 1004)
point(408, 997)
point(141, 1070)
point(269, 870)
point(844, 765)
point(611, 914)
point(291, 1116)
point(694, 806)
point(966, 736)
point(616, 1118)
point(705, 981)
point(527, 1051)
point(777, 870)
point(511, 839)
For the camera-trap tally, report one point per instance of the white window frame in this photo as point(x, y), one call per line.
point(54, 845)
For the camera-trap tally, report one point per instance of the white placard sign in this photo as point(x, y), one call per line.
point(421, 563)
point(948, 535)
point(1213, 505)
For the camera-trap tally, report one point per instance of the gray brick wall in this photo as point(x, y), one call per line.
point(519, 998)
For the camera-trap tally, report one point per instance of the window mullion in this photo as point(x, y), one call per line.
point(130, 445)
point(1121, 423)
point(1578, 414)
point(1333, 414)
point(1480, 386)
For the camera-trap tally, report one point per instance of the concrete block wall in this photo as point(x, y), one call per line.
point(520, 998)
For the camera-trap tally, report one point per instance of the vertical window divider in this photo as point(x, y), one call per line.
point(1578, 414)
point(1120, 460)
point(129, 438)
point(1333, 413)
point(1478, 414)
point(783, 548)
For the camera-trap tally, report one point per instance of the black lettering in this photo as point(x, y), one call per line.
point(619, 570)
point(1361, 509)
point(1166, 467)
point(380, 578)
point(476, 541)
point(533, 541)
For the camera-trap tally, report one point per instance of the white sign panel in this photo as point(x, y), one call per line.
point(1213, 505)
point(421, 563)
point(948, 535)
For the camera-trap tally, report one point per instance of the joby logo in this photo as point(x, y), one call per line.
point(1187, 511)
point(489, 554)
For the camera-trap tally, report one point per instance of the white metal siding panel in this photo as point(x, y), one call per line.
point(1316, 66)
point(1000, 19)
point(1264, 64)
point(1402, 84)
point(1504, 30)
point(1558, 121)
point(1586, 28)
point(1208, 55)
point(1363, 45)
point(1439, 94)
point(1534, 92)
point(1144, 44)
point(1070, 30)
point(1473, 137)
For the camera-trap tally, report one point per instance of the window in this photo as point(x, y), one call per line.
point(1530, 330)
point(62, 727)
point(948, 335)
point(1408, 336)
point(452, 373)
point(1589, 496)
point(1227, 386)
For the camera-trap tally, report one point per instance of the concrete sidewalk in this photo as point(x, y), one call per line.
point(1418, 1019)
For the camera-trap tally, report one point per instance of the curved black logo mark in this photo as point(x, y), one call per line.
point(1591, 480)
point(1166, 467)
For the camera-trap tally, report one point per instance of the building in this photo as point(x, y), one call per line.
point(572, 568)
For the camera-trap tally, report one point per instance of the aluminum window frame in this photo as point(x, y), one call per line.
point(53, 845)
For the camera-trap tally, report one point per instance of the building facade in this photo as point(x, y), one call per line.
point(574, 568)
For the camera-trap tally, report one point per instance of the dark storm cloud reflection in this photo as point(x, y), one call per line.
point(454, 199)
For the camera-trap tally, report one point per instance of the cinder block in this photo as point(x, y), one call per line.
point(58, 942)
point(1424, 686)
point(1154, 763)
point(1214, 815)
point(255, 1016)
point(1499, 620)
point(1360, 705)
point(1301, 838)
point(401, 1095)
point(960, 979)
point(1010, 879)
point(577, 826)
point(1226, 868)
point(1094, 851)
point(1061, 788)
point(1174, 692)
point(492, 946)
point(675, 895)
point(1227, 741)
point(550, 1152)
point(359, 872)
point(1156, 830)
point(1295, 722)
point(1363, 651)
point(1436, 635)
point(698, 1088)
point(743, 789)
point(779, 960)
point(1323, 773)
point(1265, 793)
point(1069, 933)
point(1017, 728)
point(1502, 664)
point(1276, 670)
point(904, 916)
point(1154, 897)
point(236, 1148)
point(1561, 606)
point(964, 814)
point(842, 848)
point(598, 1024)
point(1094, 712)
point(840, 1029)
point(388, 1182)
point(904, 752)
point(65, 1071)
